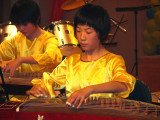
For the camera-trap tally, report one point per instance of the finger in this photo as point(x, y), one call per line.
point(80, 103)
point(70, 100)
point(43, 93)
point(77, 100)
point(31, 93)
point(68, 103)
point(38, 93)
point(3, 69)
point(28, 92)
point(11, 72)
point(6, 69)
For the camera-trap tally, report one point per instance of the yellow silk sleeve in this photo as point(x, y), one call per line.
point(120, 74)
point(54, 80)
point(52, 55)
point(7, 49)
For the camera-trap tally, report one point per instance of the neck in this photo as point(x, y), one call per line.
point(94, 55)
point(38, 31)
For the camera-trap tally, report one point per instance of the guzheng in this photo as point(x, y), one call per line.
point(19, 83)
point(21, 78)
point(117, 107)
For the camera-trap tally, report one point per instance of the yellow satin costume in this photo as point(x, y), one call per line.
point(44, 49)
point(74, 74)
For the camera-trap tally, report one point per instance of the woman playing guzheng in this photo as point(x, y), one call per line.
point(31, 49)
point(95, 72)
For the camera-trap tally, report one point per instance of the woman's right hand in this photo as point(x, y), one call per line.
point(37, 91)
point(11, 66)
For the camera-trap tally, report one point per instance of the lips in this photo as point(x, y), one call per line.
point(83, 44)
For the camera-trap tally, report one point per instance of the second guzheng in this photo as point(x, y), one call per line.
point(21, 78)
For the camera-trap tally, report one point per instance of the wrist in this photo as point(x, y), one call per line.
point(20, 60)
point(90, 89)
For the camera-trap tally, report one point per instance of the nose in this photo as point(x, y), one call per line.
point(82, 36)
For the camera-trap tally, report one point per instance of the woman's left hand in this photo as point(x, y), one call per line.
point(77, 98)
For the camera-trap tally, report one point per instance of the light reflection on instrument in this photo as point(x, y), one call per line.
point(72, 4)
point(7, 31)
point(64, 32)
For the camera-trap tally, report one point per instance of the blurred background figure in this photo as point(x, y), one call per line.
point(32, 49)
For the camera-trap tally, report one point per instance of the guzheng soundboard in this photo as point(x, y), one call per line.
point(117, 107)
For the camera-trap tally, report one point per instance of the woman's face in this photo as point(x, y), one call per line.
point(87, 37)
point(26, 29)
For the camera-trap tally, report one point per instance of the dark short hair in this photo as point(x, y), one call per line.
point(96, 17)
point(24, 11)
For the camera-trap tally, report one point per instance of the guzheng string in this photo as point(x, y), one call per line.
point(125, 104)
point(25, 74)
point(102, 103)
point(56, 102)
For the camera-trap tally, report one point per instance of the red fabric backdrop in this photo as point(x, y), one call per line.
point(57, 12)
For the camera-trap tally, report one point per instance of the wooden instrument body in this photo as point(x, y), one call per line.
point(21, 78)
point(19, 83)
point(111, 108)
